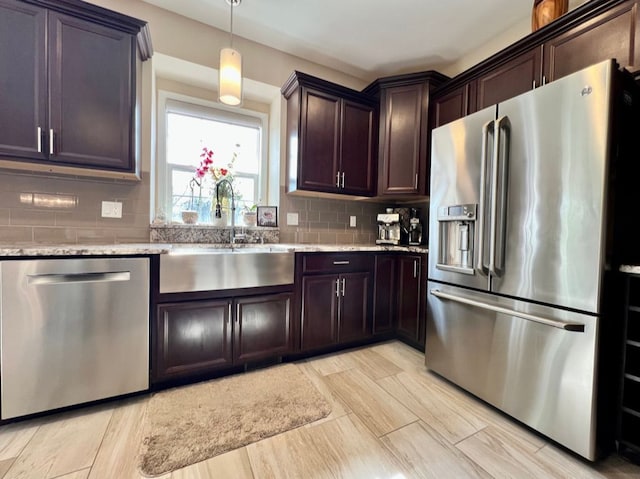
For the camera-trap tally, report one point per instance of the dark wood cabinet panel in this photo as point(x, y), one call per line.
point(613, 34)
point(354, 315)
point(408, 323)
point(452, 105)
point(23, 81)
point(192, 338)
point(330, 137)
point(403, 140)
point(356, 155)
point(320, 130)
point(91, 93)
point(384, 294)
point(319, 311)
point(517, 76)
point(262, 327)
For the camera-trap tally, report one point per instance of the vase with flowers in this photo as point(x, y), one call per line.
point(210, 171)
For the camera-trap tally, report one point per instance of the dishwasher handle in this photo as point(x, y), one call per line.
point(69, 278)
point(575, 327)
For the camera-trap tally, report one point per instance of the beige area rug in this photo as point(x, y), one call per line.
point(189, 424)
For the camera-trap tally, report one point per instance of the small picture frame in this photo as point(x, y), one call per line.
point(267, 216)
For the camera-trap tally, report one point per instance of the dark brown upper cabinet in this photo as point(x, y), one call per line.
point(403, 146)
point(330, 137)
point(69, 71)
point(593, 32)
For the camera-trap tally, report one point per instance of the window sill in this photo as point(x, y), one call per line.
point(182, 233)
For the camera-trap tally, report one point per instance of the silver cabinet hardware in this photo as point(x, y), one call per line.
point(415, 184)
point(343, 286)
point(39, 139)
point(36, 279)
point(51, 141)
point(342, 183)
point(337, 263)
point(337, 288)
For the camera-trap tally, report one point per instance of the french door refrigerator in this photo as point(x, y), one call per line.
point(520, 228)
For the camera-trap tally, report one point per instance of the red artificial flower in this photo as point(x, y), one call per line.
point(224, 171)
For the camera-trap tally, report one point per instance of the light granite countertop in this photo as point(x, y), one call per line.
point(163, 248)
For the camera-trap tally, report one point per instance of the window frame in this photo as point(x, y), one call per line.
point(169, 101)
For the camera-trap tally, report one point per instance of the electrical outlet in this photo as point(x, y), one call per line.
point(352, 221)
point(111, 209)
point(292, 219)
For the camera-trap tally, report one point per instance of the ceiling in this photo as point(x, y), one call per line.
point(365, 38)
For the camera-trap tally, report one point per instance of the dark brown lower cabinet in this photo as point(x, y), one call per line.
point(262, 327)
point(335, 309)
point(198, 337)
point(384, 294)
point(192, 338)
point(399, 299)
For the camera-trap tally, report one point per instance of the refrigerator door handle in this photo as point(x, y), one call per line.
point(487, 129)
point(567, 326)
point(499, 195)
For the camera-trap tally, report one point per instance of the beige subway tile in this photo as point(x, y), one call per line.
point(329, 216)
point(76, 217)
point(308, 238)
point(23, 216)
point(318, 225)
point(344, 238)
point(128, 220)
point(312, 216)
point(4, 216)
point(16, 234)
point(95, 235)
point(327, 238)
point(288, 236)
point(132, 235)
point(339, 226)
point(54, 235)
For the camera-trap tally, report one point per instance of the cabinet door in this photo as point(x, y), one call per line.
point(192, 338)
point(319, 311)
point(91, 94)
point(453, 105)
point(356, 151)
point(509, 80)
point(384, 295)
point(262, 327)
point(403, 156)
point(23, 81)
point(613, 34)
point(320, 142)
point(409, 291)
point(354, 314)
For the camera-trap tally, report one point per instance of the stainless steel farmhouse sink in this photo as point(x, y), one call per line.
point(188, 268)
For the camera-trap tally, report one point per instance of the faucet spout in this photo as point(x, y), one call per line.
point(218, 212)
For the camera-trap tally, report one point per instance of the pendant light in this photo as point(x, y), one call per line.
point(230, 84)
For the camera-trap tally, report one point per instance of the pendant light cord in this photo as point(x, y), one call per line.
point(231, 29)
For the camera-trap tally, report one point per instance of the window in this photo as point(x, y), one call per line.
point(190, 127)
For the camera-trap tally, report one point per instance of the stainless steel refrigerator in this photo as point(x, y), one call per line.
point(520, 223)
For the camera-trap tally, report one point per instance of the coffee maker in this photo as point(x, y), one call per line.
point(389, 227)
point(415, 228)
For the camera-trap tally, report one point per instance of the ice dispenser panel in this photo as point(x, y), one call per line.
point(456, 230)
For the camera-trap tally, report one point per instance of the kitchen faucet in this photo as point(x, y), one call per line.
point(218, 212)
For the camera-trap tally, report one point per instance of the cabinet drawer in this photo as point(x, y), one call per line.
point(336, 262)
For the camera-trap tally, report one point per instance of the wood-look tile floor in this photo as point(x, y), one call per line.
point(391, 419)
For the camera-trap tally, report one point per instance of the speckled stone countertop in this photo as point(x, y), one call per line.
point(162, 248)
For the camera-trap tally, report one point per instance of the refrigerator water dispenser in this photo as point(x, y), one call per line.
point(456, 231)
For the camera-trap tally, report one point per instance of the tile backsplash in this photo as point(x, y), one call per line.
point(37, 209)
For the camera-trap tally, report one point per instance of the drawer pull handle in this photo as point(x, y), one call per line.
point(338, 263)
point(78, 278)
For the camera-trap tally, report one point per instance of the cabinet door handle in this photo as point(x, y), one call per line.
point(415, 184)
point(237, 313)
point(344, 281)
point(544, 80)
point(51, 141)
point(229, 315)
point(337, 263)
point(415, 268)
point(337, 288)
point(39, 139)
point(338, 179)
point(534, 85)
point(342, 184)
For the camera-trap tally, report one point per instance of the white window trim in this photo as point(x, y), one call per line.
point(177, 101)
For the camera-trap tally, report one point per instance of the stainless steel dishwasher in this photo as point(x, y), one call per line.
point(72, 331)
